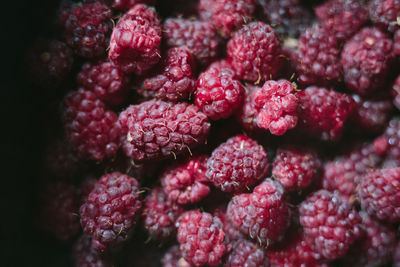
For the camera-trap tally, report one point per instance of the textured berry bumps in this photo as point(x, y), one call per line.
point(246, 253)
point(396, 40)
point(385, 14)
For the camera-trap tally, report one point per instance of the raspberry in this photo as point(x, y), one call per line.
point(385, 14)
point(330, 222)
point(186, 182)
point(396, 255)
point(84, 256)
point(318, 57)
point(276, 104)
point(157, 129)
point(127, 4)
point(342, 18)
point(263, 214)
point(254, 52)
point(175, 80)
point(227, 16)
point(246, 253)
point(237, 164)
point(201, 238)
point(87, 28)
point(108, 215)
point(104, 78)
point(247, 114)
point(323, 113)
point(198, 36)
point(218, 93)
point(136, 39)
point(366, 59)
point(396, 39)
point(396, 92)
point(379, 194)
point(389, 142)
point(232, 234)
point(86, 187)
point(296, 167)
point(90, 127)
point(173, 258)
point(160, 214)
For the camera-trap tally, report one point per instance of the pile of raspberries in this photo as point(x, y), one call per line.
point(236, 133)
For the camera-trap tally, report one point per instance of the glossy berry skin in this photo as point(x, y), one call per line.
point(385, 14)
point(262, 215)
point(330, 222)
point(254, 52)
point(237, 164)
point(84, 256)
point(246, 253)
point(136, 39)
point(156, 129)
point(91, 129)
point(201, 238)
point(127, 4)
point(108, 215)
point(173, 258)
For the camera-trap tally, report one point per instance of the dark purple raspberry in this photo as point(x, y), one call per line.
point(276, 104)
point(186, 182)
point(198, 36)
point(104, 78)
point(389, 142)
point(174, 80)
point(246, 253)
point(232, 233)
point(342, 18)
point(396, 40)
point(173, 258)
point(227, 16)
point(379, 195)
point(136, 39)
point(91, 128)
point(84, 256)
point(247, 114)
point(127, 4)
point(263, 215)
point(318, 57)
point(201, 238)
point(366, 59)
point(330, 223)
point(323, 113)
point(237, 164)
point(254, 52)
point(396, 92)
point(396, 255)
point(160, 214)
point(157, 129)
point(296, 167)
point(108, 215)
point(87, 28)
point(385, 14)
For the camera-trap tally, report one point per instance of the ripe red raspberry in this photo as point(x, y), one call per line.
point(160, 214)
point(379, 195)
point(330, 222)
point(90, 127)
point(396, 255)
point(385, 14)
point(396, 92)
point(186, 182)
point(396, 39)
point(342, 18)
point(173, 258)
point(201, 238)
point(263, 215)
point(276, 104)
point(218, 93)
point(136, 39)
point(237, 164)
point(198, 36)
point(104, 78)
point(247, 114)
point(87, 28)
point(323, 113)
point(246, 253)
point(366, 59)
point(226, 16)
point(108, 215)
point(84, 256)
point(232, 233)
point(157, 129)
point(296, 167)
point(254, 52)
point(318, 57)
point(127, 4)
point(174, 80)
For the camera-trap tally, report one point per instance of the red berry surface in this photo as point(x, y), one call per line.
point(173, 258)
point(127, 4)
point(385, 14)
point(246, 253)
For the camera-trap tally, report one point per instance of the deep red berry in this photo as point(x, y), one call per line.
point(246, 253)
point(84, 256)
point(396, 92)
point(385, 14)
point(396, 40)
point(157, 129)
point(173, 258)
point(91, 128)
point(108, 215)
point(247, 114)
point(263, 215)
point(237, 164)
point(254, 52)
point(127, 4)
point(232, 234)
point(389, 143)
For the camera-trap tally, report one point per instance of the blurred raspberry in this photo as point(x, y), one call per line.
point(246, 253)
point(385, 14)
point(84, 256)
point(396, 255)
point(247, 114)
point(389, 142)
point(173, 258)
point(127, 4)
point(396, 92)
point(232, 234)
point(397, 42)
point(86, 187)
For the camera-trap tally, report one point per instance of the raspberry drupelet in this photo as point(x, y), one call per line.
point(136, 39)
point(389, 143)
point(255, 52)
point(237, 164)
point(186, 182)
point(396, 92)
point(84, 256)
point(246, 253)
point(110, 211)
point(262, 215)
point(385, 14)
point(247, 114)
point(173, 258)
point(87, 28)
point(156, 129)
point(232, 234)
point(91, 129)
point(127, 4)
